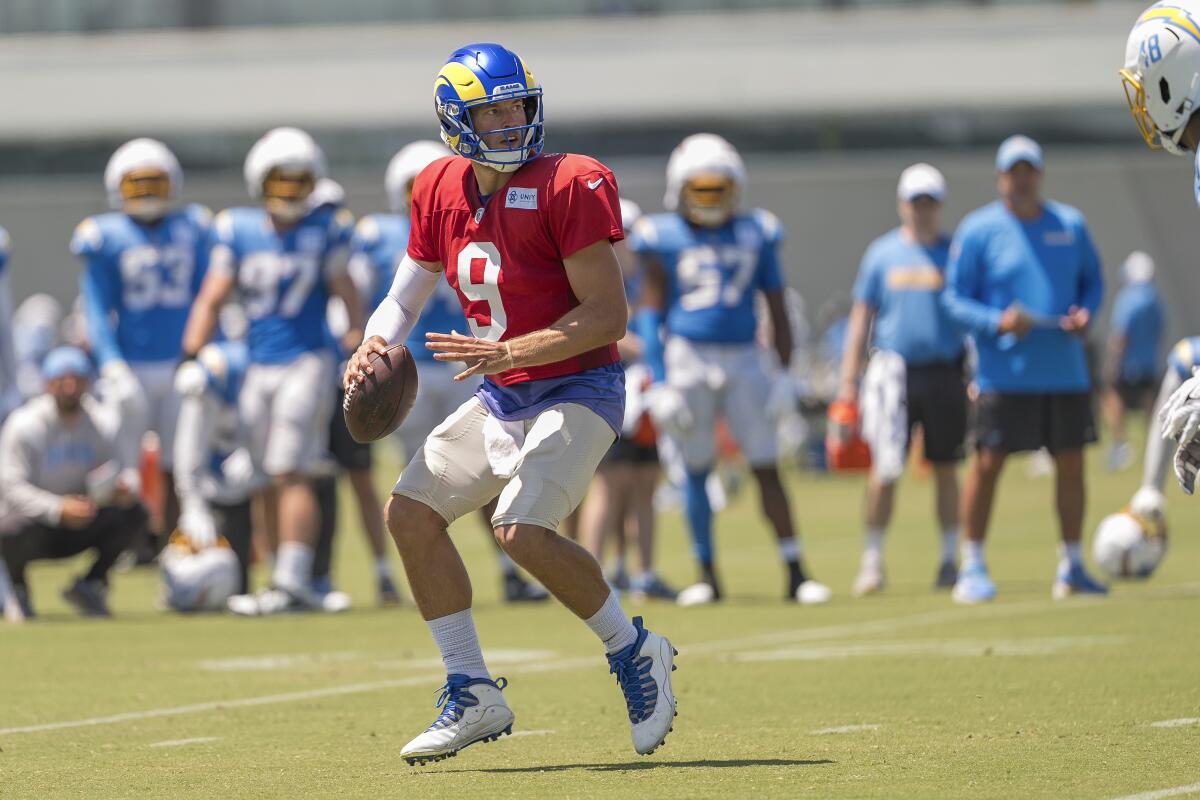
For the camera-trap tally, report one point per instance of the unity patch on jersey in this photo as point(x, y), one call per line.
point(521, 198)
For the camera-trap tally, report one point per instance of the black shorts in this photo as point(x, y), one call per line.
point(626, 451)
point(348, 454)
point(937, 400)
point(1137, 394)
point(1012, 423)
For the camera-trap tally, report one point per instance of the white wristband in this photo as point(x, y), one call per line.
point(393, 321)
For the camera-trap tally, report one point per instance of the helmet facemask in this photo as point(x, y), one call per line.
point(708, 200)
point(285, 193)
point(457, 123)
point(145, 194)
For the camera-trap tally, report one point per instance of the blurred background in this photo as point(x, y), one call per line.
point(827, 99)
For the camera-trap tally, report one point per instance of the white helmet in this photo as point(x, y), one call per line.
point(1138, 268)
point(631, 212)
point(407, 165)
point(289, 150)
point(1162, 71)
point(704, 154)
point(1128, 546)
point(142, 196)
point(198, 581)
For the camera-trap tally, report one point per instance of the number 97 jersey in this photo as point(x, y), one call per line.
point(504, 257)
point(713, 273)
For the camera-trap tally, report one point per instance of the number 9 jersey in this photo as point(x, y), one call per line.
point(504, 255)
point(713, 273)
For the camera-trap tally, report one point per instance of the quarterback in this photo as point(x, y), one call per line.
point(525, 239)
point(1162, 84)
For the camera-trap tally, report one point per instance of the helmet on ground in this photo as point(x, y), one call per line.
point(198, 580)
point(1129, 546)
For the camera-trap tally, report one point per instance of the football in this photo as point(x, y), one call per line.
point(377, 406)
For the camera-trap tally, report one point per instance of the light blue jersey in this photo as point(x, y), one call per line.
point(379, 242)
point(1139, 317)
point(1047, 266)
point(902, 281)
point(282, 277)
point(1185, 356)
point(139, 281)
point(713, 273)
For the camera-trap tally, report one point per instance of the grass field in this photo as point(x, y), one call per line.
point(903, 695)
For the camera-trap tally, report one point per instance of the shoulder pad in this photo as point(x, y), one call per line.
point(200, 214)
point(344, 218)
point(88, 238)
point(769, 224)
point(366, 232)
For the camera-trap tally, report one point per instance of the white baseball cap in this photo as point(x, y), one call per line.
point(1138, 268)
point(1016, 149)
point(921, 180)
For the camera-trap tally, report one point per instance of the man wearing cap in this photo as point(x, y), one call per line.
point(61, 491)
point(1133, 363)
point(915, 373)
point(1024, 278)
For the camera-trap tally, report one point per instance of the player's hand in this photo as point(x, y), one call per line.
point(1015, 320)
point(359, 367)
point(1180, 415)
point(1187, 462)
point(77, 511)
point(1076, 321)
point(482, 356)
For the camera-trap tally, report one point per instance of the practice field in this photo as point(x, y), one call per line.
point(902, 695)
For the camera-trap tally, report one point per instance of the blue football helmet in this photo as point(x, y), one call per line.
point(479, 74)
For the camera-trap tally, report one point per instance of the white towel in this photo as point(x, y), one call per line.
point(883, 403)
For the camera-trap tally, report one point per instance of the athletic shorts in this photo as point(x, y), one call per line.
point(1013, 423)
point(626, 451)
point(716, 380)
point(286, 409)
point(349, 454)
point(437, 391)
point(540, 467)
point(157, 380)
point(1137, 394)
point(937, 401)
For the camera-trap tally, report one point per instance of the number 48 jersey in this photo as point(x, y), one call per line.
point(505, 257)
point(713, 273)
point(139, 281)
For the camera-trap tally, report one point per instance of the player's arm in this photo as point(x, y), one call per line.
point(101, 293)
point(648, 320)
point(342, 286)
point(395, 317)
point(600, 319)
point(781, 326)
point(861, 315)
point(219, 282)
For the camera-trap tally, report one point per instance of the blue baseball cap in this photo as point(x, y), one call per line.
point(1016, 149)
point(66, 360)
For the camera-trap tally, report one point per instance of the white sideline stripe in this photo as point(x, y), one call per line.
point(966, 648)
point(1176, 723)
point(1159, 794)
point(182, 742)
point(869, 726)
point(828, 632)
point(537, 732)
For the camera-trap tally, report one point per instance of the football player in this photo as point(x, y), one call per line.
point(1162, 85)
point(705, 260)
point(525, 239)
point(285, 259)
point(142, 265)
point(377, 247)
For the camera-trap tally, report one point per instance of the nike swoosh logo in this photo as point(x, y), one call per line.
point(595, 183)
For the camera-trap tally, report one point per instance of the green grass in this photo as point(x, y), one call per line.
point(1024, 698)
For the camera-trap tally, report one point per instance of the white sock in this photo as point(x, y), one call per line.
point(293, 566)
point(789, 549)
point(612, 626)
point(1071, 553)
point(949, 543)
point(873, 543)
point(458, 643)
point(972, 552)
point(383, 568)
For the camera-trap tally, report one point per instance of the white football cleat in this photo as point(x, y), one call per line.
point(813, 593)
point(643, 671)
point(698, 594)
point(473, 710)
point(870, 578)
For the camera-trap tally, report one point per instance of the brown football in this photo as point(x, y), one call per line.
point(377, 406)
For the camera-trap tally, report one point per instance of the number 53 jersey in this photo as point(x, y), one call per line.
point(504, 256)
point(713, 273)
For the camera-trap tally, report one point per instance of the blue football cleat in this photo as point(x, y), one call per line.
point(1072, 579)
point(974, 585)
point(473, 710)
point(643, 671)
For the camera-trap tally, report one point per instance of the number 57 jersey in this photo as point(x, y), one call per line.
point(504, 255)
point(713, 273)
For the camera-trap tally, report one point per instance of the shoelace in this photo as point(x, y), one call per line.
point(454, 700)
point(639, 688)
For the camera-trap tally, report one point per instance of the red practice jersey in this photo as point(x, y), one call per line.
point(505, 259)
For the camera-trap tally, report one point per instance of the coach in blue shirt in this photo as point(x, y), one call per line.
point(1024, 278)
point(915, 375)
point(1133, 364)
